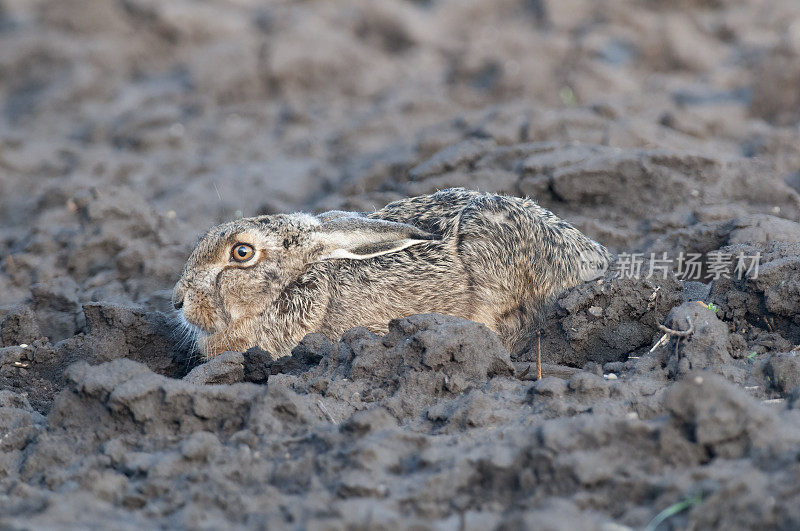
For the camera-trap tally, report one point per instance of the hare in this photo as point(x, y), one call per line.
point(267, 281)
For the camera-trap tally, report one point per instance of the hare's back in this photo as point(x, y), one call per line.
point(513, 243)
point(504, 221)
point(436, 213)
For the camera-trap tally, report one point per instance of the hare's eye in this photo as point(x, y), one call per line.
point(242, 252)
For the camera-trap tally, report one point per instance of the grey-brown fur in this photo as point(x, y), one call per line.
point(485, 257)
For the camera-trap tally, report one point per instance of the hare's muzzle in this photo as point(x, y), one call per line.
point(177, 296)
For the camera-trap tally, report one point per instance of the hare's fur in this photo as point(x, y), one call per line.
point(489, 258)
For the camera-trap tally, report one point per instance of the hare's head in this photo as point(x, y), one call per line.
point(240, 269)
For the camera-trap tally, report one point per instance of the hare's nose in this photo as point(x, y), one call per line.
point(177, 297)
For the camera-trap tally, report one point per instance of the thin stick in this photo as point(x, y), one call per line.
point(661, 342)
point(327, 414)
point(774, 401)
point(539, 354)
point(678, 333)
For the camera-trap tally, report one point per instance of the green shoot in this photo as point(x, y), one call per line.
point(686, 503)
point(567, 96)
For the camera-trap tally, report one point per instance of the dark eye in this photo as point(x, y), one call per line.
point(242, 252)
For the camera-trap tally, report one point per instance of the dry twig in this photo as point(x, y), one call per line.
point(322, 408)
point(660, 343)
point(678, 333)
point(538, 354)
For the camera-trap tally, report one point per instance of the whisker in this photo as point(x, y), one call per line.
point(216, 189)
point(185, 338)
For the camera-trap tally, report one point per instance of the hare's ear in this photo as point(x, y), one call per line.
point(345, 235)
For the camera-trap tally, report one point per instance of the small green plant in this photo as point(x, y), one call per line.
point(751, 355)
point(567, 96)
point(710, 306)
point(686, 503)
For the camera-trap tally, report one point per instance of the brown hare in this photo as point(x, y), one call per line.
point(267, 281)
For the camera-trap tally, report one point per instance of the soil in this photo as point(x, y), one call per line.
point(128, 127)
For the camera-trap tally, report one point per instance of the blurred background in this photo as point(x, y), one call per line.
point(127, 127)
